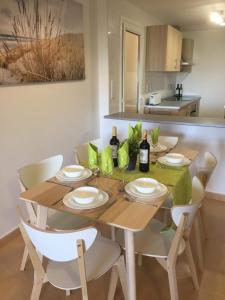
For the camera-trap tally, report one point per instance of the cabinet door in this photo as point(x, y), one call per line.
point(173, 53)
point(156, 46)
point(179, 50)
point(163, 49)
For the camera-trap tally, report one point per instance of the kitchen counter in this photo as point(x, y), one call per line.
point(164, 119)
point(171, 106)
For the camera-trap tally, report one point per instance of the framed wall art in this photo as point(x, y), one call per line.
point(41, 41)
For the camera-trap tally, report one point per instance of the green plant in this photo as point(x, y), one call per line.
point(134, 138)
point(155, 135)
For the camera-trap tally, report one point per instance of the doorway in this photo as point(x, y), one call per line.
point(131, 70)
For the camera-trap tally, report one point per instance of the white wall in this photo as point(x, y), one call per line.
point(116, 10)
point(38, 121)
point(208, 73)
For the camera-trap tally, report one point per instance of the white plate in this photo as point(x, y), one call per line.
point(102, 199)
point(174, 158)
point(163, 160)
point(158, 192)
point(158, 148)
point(61, 177)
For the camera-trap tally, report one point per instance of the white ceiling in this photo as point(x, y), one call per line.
point(187, 14)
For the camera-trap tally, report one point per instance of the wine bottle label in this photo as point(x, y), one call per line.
point(143, 156)
point(114, 151)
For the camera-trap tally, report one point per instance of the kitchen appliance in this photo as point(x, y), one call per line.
point(154, 98)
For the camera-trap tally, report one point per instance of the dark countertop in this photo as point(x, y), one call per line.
point(173, 103)
point(164, 119)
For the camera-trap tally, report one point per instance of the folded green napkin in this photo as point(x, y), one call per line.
point(93, 156)
point(106, 161)
point(123, 154)
point(155, 135)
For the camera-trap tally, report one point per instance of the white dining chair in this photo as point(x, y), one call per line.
point(81, 151)
point(81, 155)
point(206, 169)
point(73, 259)
point(169, 141)
point(33, 174)
point(166, 246)
point(198, 193)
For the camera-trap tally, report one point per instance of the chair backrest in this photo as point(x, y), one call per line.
point(169, 141)
point(81, 151)
point(36, 173)
point(183, 216)
point(58, 245)
point(189, 209)
point(198, 191)
point(177, 238)
point(209, 163)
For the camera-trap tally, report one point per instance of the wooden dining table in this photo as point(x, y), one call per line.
point(118, 212)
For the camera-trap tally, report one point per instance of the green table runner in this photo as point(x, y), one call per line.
point(178, 180)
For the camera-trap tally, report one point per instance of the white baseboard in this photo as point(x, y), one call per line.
point(11, 230)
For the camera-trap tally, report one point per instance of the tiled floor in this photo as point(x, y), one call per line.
point(152, 282)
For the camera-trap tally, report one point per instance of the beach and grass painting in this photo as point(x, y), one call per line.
point(41, 41)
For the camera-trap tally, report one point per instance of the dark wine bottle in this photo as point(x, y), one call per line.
point(144, 154)
point(181, 91)
point(177, 92)
point(114, 143)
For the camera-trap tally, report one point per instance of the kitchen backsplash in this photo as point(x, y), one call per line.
point(161, 82)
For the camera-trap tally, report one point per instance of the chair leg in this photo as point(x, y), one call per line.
point(198, 241)
point(24, 259)
point(173, 283)
point(113, 233)
point(201, 224)
point(140, 260)
point(123, 275)
point(36, 291)
point(113, 283)
point(191, 265)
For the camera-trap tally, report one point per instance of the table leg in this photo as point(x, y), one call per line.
point(42, 214)
point(130, 264)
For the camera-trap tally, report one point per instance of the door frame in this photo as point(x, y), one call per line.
point(133, 27)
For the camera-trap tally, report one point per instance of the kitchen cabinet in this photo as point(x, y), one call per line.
point(187, 55)
point(164, 45)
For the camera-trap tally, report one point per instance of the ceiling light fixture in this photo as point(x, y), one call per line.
point(218, 18)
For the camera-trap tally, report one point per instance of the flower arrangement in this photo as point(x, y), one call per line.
point(134, 138)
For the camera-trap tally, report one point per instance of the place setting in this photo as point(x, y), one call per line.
point(146, 190)
point(73, 173)
point(173, 160)
point(72, 176)
point(85, 198)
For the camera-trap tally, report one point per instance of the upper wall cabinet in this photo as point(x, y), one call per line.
point(164, 44)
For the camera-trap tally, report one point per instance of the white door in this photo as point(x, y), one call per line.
point(132, 66)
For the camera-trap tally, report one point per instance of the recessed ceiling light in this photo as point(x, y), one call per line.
point(217, 18)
